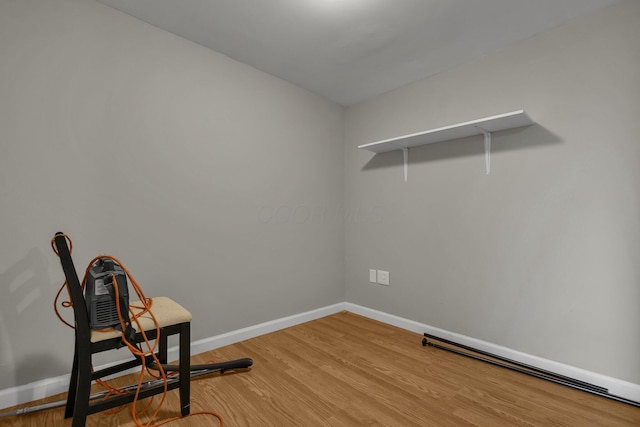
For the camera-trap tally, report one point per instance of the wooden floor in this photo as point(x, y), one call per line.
point(346, 370)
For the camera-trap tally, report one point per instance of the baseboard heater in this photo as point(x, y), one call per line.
point(533, 371)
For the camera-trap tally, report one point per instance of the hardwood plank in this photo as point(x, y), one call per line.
point(347, 370)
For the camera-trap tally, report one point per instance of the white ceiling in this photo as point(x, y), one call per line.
point(351, 50)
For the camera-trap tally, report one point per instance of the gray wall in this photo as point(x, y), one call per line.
point(223, 187)
point(541, 256)
point(216, 184)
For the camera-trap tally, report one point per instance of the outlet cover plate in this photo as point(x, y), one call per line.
point(383, 277)
point(373, 275)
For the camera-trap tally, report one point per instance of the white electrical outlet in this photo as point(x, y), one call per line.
point(383, 277)
point(373, 278)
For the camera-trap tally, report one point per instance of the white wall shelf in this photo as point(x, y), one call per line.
point(485, 126)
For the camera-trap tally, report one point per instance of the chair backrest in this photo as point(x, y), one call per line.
point(83, 331)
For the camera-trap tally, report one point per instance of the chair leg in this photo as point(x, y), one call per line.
point(73, 385)
point(185, 368)
point(83, 391)
point(163, 346)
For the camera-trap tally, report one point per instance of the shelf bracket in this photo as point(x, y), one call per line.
point(405, 156)
point(487, 149)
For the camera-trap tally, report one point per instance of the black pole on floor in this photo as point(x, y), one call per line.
point(520, 364)
point(196, 371)
point(531, 371)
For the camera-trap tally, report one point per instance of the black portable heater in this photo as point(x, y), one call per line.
point(101, 296)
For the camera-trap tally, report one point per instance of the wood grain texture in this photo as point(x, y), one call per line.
point(347, 370)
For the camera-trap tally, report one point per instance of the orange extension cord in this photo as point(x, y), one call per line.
point(139, 352)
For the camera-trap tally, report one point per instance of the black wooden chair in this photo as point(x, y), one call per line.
point(171, 318)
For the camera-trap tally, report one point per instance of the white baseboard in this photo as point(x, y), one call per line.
point(33, 391)
point(616, 387)
point(48, 387)
point(218, 341)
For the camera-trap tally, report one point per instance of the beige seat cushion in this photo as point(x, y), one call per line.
point(166, 311)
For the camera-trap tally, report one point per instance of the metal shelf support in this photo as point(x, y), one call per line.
point(487, 149)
